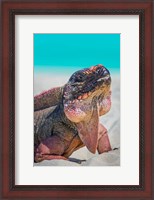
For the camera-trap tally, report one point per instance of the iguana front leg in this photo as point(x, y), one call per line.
point(75, 144)
point(59, 146)
point(50, 148)
point(103, 142)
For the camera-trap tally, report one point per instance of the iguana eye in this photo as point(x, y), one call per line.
point(76, 77)
point(79, 78)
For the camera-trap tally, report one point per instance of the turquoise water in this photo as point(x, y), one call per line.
point(66, 53)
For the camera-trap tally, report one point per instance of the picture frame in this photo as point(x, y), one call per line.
point(12, 8)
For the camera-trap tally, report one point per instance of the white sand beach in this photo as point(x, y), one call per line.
point(111, 121)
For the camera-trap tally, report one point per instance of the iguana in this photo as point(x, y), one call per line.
point(67, 118)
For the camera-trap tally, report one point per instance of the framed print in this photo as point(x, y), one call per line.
point(77, 95)
point(77, 99)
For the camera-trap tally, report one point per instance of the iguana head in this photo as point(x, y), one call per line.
point(87, 96)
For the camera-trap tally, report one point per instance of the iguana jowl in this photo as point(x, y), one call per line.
point(67, 118)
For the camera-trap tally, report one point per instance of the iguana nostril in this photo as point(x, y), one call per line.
point(106, 71)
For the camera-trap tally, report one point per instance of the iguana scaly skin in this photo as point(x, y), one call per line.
point(67, 118)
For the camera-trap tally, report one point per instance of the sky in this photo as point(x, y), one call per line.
point(67, 53)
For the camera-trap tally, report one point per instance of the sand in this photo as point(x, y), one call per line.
point(111, 121)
